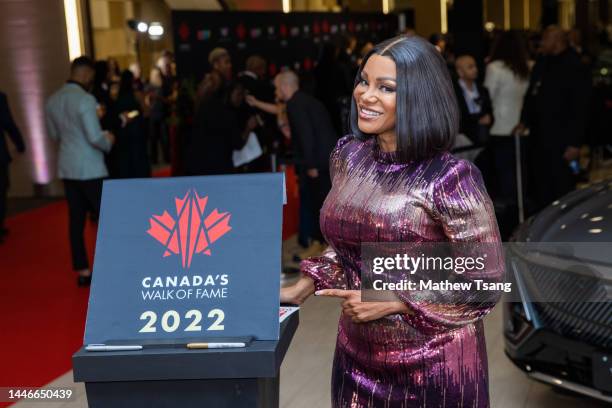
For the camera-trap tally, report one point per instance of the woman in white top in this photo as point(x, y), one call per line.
point(507, 79)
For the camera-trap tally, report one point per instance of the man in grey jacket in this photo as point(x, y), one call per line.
point(73, 122)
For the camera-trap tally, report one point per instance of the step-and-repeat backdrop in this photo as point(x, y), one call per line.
point(293, 40)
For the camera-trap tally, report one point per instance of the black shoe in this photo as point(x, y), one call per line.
point(84, 281)
point(3, 232)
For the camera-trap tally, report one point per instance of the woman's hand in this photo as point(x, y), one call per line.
point(110, 137)
point(519, 128)
point(251, 100)
point(362, 312)
point(298, 293)
point(485, 120)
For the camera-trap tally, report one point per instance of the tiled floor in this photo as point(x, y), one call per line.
point(306, 371)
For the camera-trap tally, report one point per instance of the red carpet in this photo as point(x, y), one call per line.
point(41, 308)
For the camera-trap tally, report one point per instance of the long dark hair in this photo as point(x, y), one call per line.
point(510, 48)
point(126, 83)
point(427, 116)
point(101, 68)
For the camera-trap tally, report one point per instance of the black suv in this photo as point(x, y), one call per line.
point(558, 325)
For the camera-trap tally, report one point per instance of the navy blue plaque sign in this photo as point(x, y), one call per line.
point(187, 258)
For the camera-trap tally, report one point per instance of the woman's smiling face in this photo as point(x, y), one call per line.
point(375, 96)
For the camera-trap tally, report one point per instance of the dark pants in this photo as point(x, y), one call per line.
point(83, 196)
point(503, 180)
point(158, 135)
point(552, 177)
point(307, 220)
point(4, 186)
point(318, 188)
point(504, 162)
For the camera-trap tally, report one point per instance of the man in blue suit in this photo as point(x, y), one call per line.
point(7, 125)
point(72, 121)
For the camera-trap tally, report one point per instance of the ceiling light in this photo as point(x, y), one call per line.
point(156, 30)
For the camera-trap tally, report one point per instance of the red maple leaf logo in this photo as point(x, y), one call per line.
point(190, 232)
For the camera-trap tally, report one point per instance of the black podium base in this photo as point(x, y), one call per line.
point(177, 377)
point(227, 393)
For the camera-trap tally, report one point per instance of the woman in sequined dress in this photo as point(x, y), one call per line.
point(395, 181)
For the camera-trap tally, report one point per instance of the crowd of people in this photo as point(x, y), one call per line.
point(116, 124)
point(137, 112)
point(543, 97)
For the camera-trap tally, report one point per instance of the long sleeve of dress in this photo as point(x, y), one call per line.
point(465, 213)
point(325, 270)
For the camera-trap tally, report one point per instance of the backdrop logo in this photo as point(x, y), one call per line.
point(190, 232)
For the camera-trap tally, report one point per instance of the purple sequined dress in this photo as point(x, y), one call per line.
point(436, 356)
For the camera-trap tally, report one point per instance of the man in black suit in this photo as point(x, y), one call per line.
point(254, 80)
point(474, 101)
point(555, 111)
point(7, 125)
point(313, 138)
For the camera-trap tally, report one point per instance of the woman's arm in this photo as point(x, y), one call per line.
point(466, 215)
point(321, 272)
point(324, 270)
point(363, 312)
point(297, 293)
point(270, 108)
